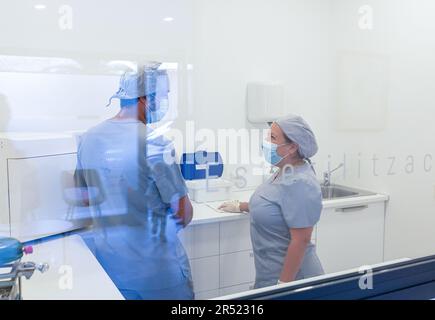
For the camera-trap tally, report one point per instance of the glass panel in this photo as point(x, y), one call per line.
point(196, 149)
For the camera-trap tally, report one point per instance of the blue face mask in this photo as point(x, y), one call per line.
point(270, 152)
point(157, 108)
point(155, 111)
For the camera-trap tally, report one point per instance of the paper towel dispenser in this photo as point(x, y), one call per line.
point(265, 101)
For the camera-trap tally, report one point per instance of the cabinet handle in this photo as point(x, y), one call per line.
point(351, 209)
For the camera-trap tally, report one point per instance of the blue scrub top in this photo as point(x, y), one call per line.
point(131, 179)
point(289, 200)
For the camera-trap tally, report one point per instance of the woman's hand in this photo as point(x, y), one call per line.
point(234, 206)
point(244, 206)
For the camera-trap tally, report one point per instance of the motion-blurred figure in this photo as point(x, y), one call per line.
point(134, 234)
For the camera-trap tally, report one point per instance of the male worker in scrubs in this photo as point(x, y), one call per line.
point(284, 210)
point(142, 198)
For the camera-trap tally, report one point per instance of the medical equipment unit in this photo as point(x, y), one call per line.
point(203, 171)
point(32, 190)
point(12, 269)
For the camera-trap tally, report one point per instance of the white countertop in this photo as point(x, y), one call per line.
point(74, 273)
point(208, 212)
point(34, 136)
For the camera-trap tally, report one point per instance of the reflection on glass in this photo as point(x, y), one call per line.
point(136, 194)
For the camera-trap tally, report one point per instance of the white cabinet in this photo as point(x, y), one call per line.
point(201, 243)
point(222, 258)
point(205, 273)
point(236, 268)
point(235, 236)
point(201, 240)
point(350, 237)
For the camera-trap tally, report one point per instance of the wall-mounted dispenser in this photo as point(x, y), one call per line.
point(265, 101)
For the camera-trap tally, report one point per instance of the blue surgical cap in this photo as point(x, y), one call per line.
point(147, 82)
point(298, 131)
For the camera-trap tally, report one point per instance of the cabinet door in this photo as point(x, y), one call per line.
point(205, 273)
point(201, 240)
point(236, 268)
point(235, 236)
point(351, 237)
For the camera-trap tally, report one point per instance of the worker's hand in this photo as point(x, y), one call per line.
point(85, 198)
point(230, 206)
point(179, 221)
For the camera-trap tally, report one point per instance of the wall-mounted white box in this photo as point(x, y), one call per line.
point(265, 101)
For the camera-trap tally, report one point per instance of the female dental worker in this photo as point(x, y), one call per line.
point(285, 208)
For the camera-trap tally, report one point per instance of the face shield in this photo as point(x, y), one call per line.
point(150, 83)
point(158, 97)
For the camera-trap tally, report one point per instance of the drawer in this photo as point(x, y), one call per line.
point(205, 273)
point(235, 236)
point(236, 268)
point(201, 240)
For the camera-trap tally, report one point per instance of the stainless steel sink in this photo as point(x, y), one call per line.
point(338, 192)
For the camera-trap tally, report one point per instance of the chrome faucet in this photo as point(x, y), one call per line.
point(327, 175)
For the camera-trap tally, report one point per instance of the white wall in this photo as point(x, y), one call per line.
point(101, 31)
point(220, 47)
point(400, 126)
point(235, 42)
point(99, 27)
point(331, 70)
point(48, 102)
point(247, 40)
point(55, 102)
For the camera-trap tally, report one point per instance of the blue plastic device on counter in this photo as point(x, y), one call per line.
point(194, 165)
point(11, 250)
